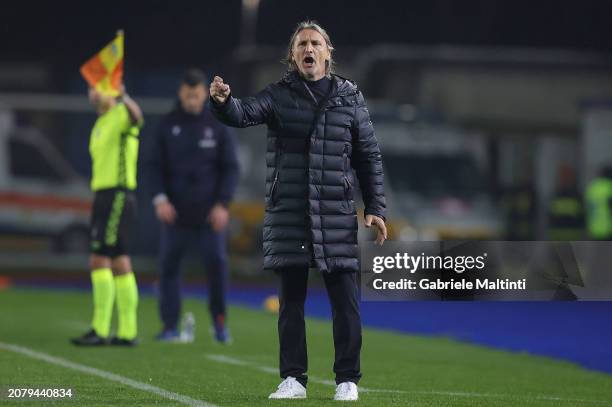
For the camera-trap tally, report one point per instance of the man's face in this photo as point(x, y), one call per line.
point(192, 98)
point(309, 53)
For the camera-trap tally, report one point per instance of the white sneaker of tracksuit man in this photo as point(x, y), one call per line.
point(290, 388)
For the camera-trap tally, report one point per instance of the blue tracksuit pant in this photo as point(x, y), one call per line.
point(175, 240)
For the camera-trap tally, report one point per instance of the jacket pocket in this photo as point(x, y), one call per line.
point(348, 187)
point(278, 153)
point(273, 188)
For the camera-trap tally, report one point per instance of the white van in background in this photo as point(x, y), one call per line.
point(43, 200)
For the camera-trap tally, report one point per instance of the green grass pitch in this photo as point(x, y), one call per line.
point(398, 369)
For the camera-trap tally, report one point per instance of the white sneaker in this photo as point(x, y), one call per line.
point(289, 389)
point(346, 391)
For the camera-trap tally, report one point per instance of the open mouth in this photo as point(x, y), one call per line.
point(309, 60)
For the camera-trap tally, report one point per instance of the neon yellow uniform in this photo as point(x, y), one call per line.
point(113, 146)
point(599, 196)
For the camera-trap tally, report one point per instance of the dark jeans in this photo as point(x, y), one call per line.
point(212, 248)
point(343, 293)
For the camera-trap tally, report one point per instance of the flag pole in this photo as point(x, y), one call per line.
point(121, 33)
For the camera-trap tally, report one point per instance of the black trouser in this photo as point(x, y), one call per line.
point(343, 293)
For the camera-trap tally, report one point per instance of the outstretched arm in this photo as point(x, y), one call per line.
point(240, 112)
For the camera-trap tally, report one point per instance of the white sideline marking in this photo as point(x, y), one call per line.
point(267, 369)
point(105, 375)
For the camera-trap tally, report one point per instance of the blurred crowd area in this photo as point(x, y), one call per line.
point(477, 143)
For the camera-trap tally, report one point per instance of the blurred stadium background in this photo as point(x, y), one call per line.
point(480, 107)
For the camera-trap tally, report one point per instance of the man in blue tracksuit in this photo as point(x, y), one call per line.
point(193, 171)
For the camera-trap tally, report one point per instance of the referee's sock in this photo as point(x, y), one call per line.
point(103, 298)
point(127, 305)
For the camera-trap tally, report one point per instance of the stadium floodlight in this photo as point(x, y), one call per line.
point(250, 10)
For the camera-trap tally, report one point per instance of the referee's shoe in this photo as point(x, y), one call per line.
point(90, 338)
point(116, 341)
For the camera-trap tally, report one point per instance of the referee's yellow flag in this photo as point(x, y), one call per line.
point(104, 71)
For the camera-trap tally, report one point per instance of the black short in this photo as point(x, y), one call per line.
point(113, 213)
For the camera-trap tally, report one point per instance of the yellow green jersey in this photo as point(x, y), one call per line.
point(599, 196)
point(113, 146)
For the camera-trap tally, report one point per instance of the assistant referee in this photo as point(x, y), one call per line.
point(113, 147)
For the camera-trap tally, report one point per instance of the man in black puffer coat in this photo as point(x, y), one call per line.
point(319, 129)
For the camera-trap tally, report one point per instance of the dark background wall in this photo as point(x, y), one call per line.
point(165, 34)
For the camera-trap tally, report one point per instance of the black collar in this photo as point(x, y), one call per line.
point(340, 85)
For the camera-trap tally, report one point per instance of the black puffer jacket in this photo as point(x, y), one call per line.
point(309, 185)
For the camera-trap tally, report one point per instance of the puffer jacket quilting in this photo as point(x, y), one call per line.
point(311, 153)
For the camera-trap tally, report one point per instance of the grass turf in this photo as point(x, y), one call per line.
point(420, 371)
